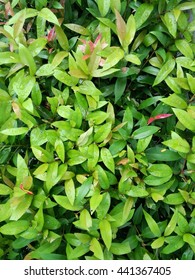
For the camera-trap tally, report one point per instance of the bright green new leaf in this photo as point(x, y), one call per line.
point(177, 143)
point(85, 219)
point(130, 32)
point(113, 59)
point(15, 131)
point(5, 190)
point(175, 101)
point(38, 221)
point(96, 248)
point(142, 14)
point(174, 199)
point(157, 243)
point(26, 58)
point(102, 132)
point(103, 7)
point(184, 47)
point(13, 228)
point(65, 78)
point(95, 201)
point(106, 233)
point(170, 22)
point(172, 224)
point(174, 244)
point(70, 190)
point(171, 82)
point(107, 159)
point(48, 15)
point(45, 70)
point(191, 82)
point(77, 28)
point(102, 178)
point(152, 224)
point(189, 238)
point(164, 71)
point(19, 206)
point(185, 119)
point(133, 58)
point(65, 203)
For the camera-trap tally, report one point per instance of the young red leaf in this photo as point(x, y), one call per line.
point(158, 117)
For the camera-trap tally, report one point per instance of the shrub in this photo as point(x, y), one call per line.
point(97, 123)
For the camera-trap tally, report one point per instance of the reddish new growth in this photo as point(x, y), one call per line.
point(158, 117)
point(26, 191)
point(88, 48)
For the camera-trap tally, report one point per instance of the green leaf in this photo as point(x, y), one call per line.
point(27, 59)
point(158, 243)
point(160, 170)
point(8, 57)
point(156, 181)
point(170, 22)
point(107, 159)
point(130, 32)
point(85, 221)
point(13, 228)
point(5, 211)
point(152, 224)
point(48, 15)
point(106, 233)
point(95, 201)
point(189, 238)
point(65, 78)
point(102, 132)
point(70, 190)
point(19, 206)
point(186, 6)
point(113, 58)
point(65, 203)
point(15, 131)
point(191, 82)
point(144, 132)
point(102, 178)
point(121, 27)
point(60, 150)
point(174, 199)
point(175, 243)
point(96, 248)
point(62, 38)
point(5, 190)
point(177, 143)
point(164, 71)
point(172, 224)
point(103, 7)
point(45, 70)
point(77, 28)
point(175, 101)
point(119, 88)
point(184, 47)
point(133, 58)
point(161, 154)
point(104, 206)
point(120, 248)
point(142, 14)
point(185, 119)
point(38, 221)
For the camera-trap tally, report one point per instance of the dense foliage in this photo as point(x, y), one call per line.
point(97, 129)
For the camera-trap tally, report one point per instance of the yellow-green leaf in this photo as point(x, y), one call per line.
point(106, 233)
